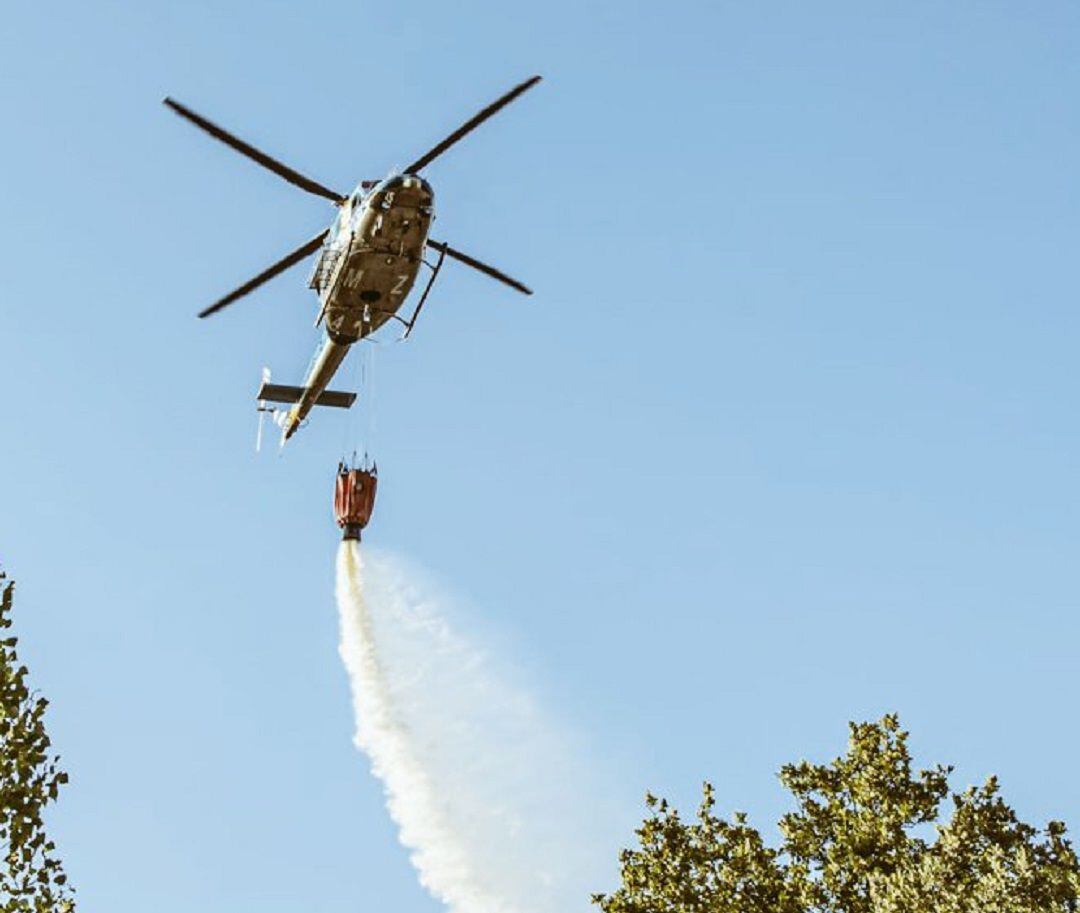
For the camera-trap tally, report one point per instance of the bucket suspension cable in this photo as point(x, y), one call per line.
point(350, 428)
point(358, 429)
point(370, 414)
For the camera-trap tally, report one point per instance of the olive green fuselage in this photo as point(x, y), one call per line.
point(366, 269)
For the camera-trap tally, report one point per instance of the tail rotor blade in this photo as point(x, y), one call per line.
point(234, 142)
point(471, 125)
point(305, 250)
point(482, 267)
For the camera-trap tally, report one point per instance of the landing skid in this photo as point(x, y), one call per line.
point(411, 322)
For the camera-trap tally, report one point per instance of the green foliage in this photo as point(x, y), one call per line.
point(31, 879)
point(853, 845)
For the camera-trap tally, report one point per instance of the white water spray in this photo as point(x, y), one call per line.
point(484, 790)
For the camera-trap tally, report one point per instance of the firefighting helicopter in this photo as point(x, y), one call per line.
point(369, 259)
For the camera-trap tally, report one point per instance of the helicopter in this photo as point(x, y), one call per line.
point(369, 260)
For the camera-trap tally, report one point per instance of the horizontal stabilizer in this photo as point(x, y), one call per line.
point(282, 393)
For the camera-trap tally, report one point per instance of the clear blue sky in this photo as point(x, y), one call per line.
point(786, 437)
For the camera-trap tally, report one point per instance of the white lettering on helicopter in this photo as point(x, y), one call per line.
point(396, 290)
point(354, 279)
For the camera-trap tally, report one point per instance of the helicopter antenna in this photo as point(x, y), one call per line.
point(494, 108)
point(234, 142)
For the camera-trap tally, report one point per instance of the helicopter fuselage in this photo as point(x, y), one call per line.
point(365, 271)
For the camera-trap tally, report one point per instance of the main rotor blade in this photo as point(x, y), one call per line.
point(471, 125)
point(483, 267)
point(283, 264)
point(281, 170)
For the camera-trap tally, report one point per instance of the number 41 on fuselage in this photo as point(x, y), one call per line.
point(369, 260)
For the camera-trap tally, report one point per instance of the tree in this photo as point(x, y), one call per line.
point(859, 841)
point(32, 879)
